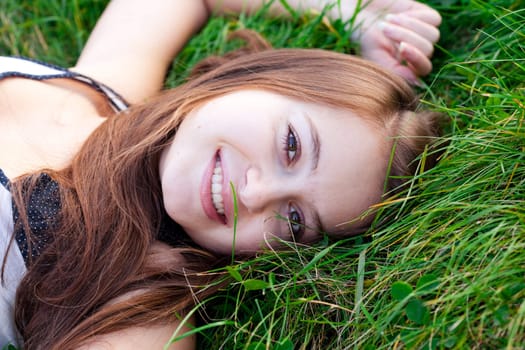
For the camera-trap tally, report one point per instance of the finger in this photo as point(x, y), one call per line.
point(400, 34)
point(416, 60)
point(424, 29)
point(425, 14)
point(385, 60)
point(406, 73)
point(415, 9)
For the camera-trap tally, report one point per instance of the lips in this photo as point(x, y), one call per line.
point(213, 191)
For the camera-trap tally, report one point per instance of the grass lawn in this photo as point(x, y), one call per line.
point(448, 271)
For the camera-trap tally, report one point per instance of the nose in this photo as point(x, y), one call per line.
point(261, 191)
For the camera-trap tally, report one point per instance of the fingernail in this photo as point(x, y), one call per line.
point(402, 46)
point(417, 82)
point(392, 18)
point(385, 27)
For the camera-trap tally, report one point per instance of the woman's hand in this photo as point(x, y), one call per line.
point(397, 34)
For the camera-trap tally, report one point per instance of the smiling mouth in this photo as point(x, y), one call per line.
point(216, 188)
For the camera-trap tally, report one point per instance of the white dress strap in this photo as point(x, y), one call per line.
point(32, 69)
point(14, 268)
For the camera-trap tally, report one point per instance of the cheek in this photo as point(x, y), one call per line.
point(173, 206)
point(245, 132)
point(259, 232)
point(243, 126)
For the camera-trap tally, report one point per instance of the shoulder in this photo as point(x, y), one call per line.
point(151, 337)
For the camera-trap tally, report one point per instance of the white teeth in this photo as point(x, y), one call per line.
point(216, 188)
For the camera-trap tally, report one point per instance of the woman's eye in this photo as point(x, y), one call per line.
point(295, 223)
point(291, 145)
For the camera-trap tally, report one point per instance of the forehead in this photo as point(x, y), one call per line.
point(352, 166)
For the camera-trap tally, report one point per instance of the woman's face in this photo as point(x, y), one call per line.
point(279, 166)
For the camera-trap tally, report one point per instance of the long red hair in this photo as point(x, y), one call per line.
point(106, 243)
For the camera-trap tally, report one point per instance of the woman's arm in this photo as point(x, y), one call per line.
point(135, 41)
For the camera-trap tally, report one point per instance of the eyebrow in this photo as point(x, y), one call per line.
point(315, 151)
point(316, 145)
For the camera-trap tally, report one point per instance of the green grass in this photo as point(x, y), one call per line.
point(448, 272)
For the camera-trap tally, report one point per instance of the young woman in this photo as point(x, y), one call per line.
point(109, 213)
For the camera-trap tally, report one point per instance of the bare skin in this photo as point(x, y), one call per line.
point(140, 338)
point(47, 131)
point(121, 54)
